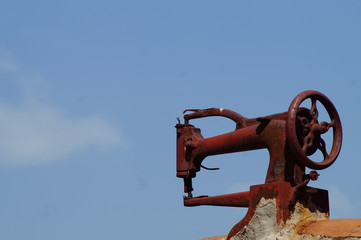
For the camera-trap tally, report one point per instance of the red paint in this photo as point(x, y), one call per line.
point(290, 137)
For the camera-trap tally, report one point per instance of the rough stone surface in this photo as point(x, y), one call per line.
point(263, 225)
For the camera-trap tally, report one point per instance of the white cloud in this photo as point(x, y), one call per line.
point(36, 133)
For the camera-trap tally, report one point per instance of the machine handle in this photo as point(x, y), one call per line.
point(200, 113)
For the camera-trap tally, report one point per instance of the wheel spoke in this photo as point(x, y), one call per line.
point(313, 110)
point(307, 142)
point(322, 148)
point(305, 124)
point(303, 121)
point(325, 126)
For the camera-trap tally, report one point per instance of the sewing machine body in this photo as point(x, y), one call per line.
point(267, 132)
point(290, 138)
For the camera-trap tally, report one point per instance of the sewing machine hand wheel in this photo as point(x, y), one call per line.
point(304, 131)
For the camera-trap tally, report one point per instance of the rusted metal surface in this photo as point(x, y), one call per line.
point(240, 199)
point(197, 113)
point(291, 138)
point(304, 131)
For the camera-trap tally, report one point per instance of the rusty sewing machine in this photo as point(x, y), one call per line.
point(291, 138)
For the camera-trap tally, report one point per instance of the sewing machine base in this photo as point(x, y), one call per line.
point(285, 197)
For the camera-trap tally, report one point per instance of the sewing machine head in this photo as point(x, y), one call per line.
point(291, 138)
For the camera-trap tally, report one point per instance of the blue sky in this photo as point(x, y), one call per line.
point(90, 92)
